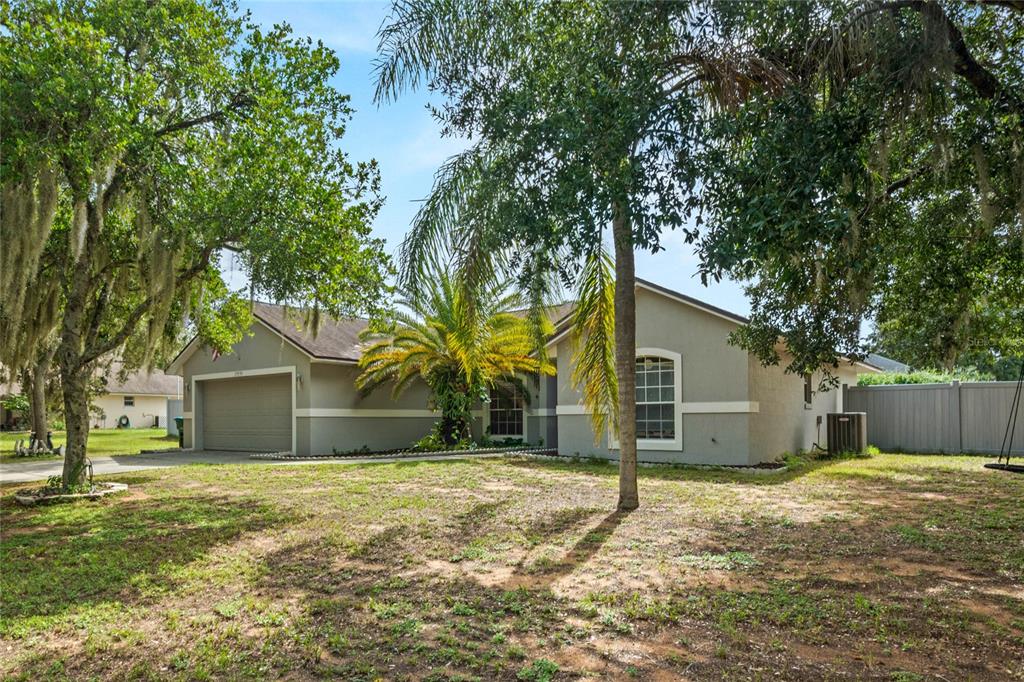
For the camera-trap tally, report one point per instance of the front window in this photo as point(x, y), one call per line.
point(506, 413)
point(655, 399)
point(129, 401)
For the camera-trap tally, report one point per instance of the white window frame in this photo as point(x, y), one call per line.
point(663, 444)
point(125, 399)
point(486, 419)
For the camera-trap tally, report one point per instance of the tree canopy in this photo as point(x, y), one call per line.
point(142, 142)
point(885, 182)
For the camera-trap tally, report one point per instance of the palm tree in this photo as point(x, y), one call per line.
point(460, 341)
point(585, 115)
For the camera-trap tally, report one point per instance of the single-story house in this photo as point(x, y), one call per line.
point(700, 400)
point(140, 398)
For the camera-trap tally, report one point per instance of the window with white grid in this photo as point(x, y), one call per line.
point(655, 398)
point(506, 413)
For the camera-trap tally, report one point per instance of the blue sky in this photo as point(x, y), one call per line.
point(406, 142)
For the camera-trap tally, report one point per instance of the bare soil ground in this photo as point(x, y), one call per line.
point(890, 568)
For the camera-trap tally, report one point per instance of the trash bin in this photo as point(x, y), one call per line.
point(179, 423)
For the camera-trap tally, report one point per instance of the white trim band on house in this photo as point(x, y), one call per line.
point(369, 412)
point(362, 412)
point(724, 407)
point(737, 407)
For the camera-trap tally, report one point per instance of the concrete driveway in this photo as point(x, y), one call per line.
point(24, 472)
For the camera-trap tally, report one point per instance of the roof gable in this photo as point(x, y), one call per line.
point(565, 325)
point(335, 341)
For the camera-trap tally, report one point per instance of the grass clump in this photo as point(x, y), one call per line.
point(540, 670)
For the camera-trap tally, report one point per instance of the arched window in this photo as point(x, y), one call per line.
point(655, 398)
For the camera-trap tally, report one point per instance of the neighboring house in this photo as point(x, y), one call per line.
point(702, 400)
point(141, 398)
point(886, 364)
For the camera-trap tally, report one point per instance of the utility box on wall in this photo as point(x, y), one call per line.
point(847, 432)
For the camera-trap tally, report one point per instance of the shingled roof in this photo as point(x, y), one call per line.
point(143, 383)
point(335, 340)
point(139, 382)
point(338, 339)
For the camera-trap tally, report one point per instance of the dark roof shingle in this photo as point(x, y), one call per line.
point(335, 340)
point(142, 383)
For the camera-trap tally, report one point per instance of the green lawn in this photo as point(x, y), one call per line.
point(101, 442)
point(889, 568)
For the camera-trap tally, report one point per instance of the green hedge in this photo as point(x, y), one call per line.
point(923, 376)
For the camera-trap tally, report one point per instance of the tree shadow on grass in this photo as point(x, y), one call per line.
point(585, 549)
point(468, 525)
point(62, 558)
point(686, 473)
point(380, 609)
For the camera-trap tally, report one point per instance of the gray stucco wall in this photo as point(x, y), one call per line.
point(334, 386)
point(261, 350)
point(714, 377)
point(541, 423)
point(783, 423)
point(331, 414)
point(370, 419)
point(376, 433)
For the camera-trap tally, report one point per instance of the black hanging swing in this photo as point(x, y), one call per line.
point(1011, 426)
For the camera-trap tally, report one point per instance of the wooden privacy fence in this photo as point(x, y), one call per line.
point(956, 417)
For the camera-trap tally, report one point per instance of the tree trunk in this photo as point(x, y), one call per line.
point(38, 396)
point(74, 382)
point(625, 355)
point(74, 373)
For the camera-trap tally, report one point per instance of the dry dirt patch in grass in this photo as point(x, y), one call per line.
point(893, 568)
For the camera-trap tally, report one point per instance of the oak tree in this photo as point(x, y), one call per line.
point(144, 141)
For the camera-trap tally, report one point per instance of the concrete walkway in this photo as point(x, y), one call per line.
point(24, 472)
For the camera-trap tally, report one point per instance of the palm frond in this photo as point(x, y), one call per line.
point(418, 35)
point(443, 235)
point(539, 286)
point(593, 324)
point(450, 330)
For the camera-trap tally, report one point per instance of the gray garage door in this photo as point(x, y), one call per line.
point(248, 413)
